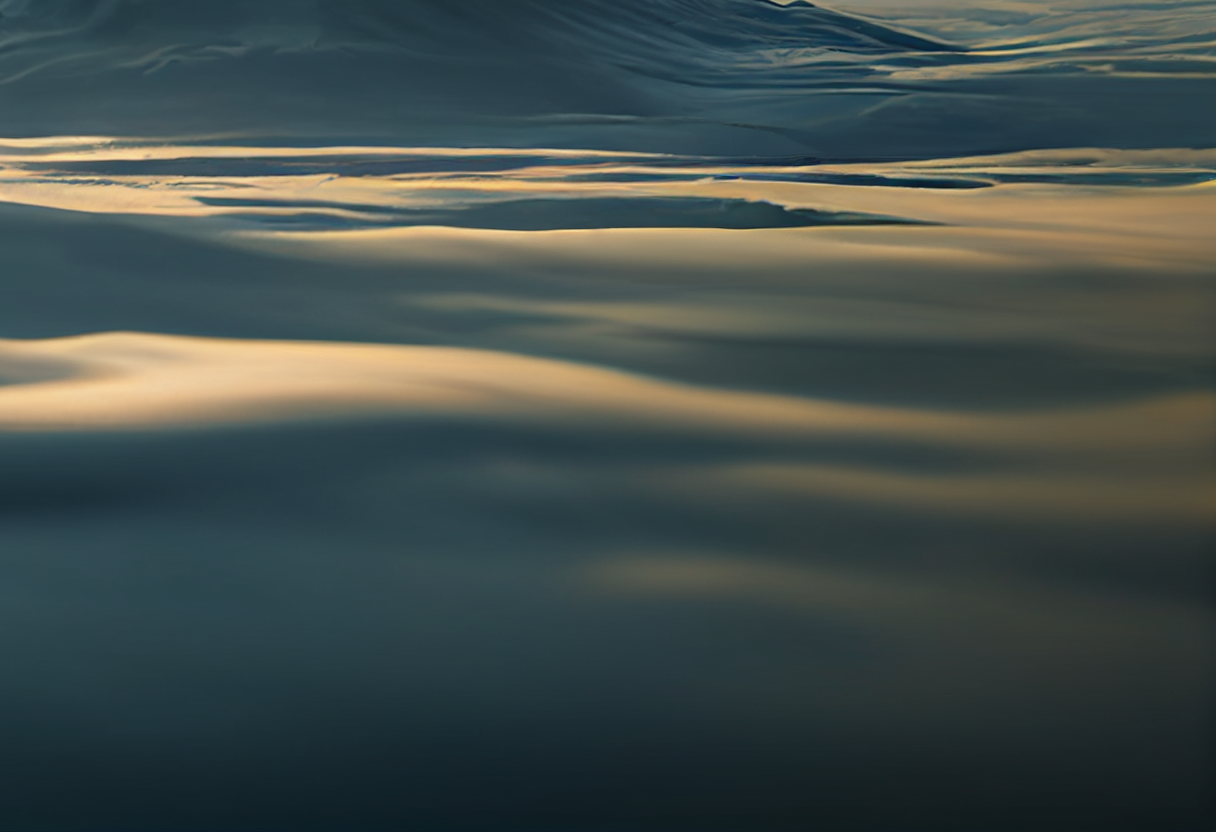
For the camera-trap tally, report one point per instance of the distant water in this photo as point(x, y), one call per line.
point(686, 76)
point(588, 415)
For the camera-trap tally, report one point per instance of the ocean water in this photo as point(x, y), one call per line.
point(607, 415)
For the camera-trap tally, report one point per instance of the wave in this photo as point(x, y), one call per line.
point(432, 25)
point(691, 42)
point(694, 76)
point(586, 414)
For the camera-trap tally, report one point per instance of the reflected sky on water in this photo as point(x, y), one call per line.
point(685, 414)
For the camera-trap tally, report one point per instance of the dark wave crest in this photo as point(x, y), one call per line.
point(699, 76)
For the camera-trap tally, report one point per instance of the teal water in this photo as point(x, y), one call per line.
point(685, 414)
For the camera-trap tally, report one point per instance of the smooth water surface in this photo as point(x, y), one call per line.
point(589, 415)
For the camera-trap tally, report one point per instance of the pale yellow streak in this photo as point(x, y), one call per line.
point(1033, 222)
point(973, 284)
point(631, 248)
point(1011, 225)
point(1099, 223)
point(128, 381)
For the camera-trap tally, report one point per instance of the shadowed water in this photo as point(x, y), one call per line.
point(696, 414)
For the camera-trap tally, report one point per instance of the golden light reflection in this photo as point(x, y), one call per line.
point(1014, 223)
point(140, 380)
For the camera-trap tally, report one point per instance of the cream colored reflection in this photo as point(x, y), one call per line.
point(127, 380)
point(937, 285)
point(171, 195)
point(1146, 224)
point(133, 380)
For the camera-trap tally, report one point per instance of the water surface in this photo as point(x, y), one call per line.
point(683, 414)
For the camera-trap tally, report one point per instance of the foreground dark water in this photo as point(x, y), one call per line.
point(665, 415)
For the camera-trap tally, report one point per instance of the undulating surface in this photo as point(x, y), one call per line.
point(607, 415)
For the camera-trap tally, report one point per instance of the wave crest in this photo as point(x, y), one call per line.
point(682, 76)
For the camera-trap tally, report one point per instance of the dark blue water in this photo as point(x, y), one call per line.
point(586, 415)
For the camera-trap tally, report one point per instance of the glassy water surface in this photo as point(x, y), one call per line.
point(649, 414)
